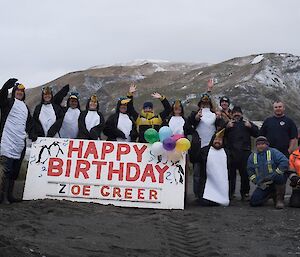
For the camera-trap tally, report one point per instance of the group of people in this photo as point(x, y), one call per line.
point(220, 140)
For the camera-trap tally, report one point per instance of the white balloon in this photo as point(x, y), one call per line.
point(157, 149)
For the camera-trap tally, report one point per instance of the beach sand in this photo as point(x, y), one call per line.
point(60, 228)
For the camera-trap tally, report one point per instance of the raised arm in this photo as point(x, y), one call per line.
point(131, 111)
point(4, 91)
point(60, 95)
point(167, 107)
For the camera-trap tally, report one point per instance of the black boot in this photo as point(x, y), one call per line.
point(4, 190)
point(11, 198)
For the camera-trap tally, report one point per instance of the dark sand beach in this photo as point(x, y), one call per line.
point(61, 228)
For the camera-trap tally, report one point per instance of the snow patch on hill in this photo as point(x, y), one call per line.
point(257, 59)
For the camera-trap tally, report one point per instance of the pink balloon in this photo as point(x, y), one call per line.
point(177, 136)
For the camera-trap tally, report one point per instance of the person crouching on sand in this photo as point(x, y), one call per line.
point(214, 184)
point(267, 168)
point(294, 170)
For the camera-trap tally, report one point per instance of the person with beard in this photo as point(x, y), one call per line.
point(238, 135)
point(202, 125)
point(147, 118)
point(69, 127)
point(268, 169)
point(226, 112)
point(47, 115)
point(16, 121)
point(294, 170)
point(91, 121)
point(119, 126)
point(215, 162)
point(280, 130)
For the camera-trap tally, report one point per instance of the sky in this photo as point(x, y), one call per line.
point(42, 40)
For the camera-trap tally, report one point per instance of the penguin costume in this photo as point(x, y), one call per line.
point(91, 121)
point(47, 115)
point(15, 122)
point(69, 127)
point(120, 126)
point(176, 121)
point(214, 173)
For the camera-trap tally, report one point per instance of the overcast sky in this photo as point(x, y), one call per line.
point(43, 39)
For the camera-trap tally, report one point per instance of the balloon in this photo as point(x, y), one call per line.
point(177, 136)
point(169, 144)
point(183, 144)
point(174, 156)
point(151, 135)
point(164, 133)
point(157, 149)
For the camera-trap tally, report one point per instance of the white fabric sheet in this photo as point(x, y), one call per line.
point(176, 124)
point(13, 136)
point(217, 185)
point(69, 128)
point(206, 127)
point(125, 125)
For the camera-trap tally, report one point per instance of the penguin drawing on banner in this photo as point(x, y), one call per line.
point(49, 151)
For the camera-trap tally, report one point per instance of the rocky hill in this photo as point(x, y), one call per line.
point(253, 82)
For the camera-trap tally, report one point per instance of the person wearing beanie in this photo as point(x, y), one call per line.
point(16, 122)
point(226, 112)
point(267, 169)
point(294, 176)
point(214, 184)
point(280, 130)
point(91, 121)
point(147, 118)
point(238, 135)
point(202, 125)
point(48, 115)
point(120, 126)
point(69, 127)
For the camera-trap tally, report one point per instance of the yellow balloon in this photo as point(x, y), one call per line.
point(182, 145)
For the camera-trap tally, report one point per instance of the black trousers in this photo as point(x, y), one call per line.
point(13, 166)
point(239, 162)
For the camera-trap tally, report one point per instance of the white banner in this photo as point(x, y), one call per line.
point(118, 173)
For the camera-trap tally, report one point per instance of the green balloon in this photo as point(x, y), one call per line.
point(151, 135)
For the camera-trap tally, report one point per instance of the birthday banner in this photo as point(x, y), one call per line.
point(118, 173)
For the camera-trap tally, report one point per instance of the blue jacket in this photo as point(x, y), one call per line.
point(265, 165)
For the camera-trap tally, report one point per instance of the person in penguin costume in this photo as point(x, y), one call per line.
point(176, 121)
point(91, 121)
point(69, 127)
point(48, 115)
point(214, 174)
point(119, 126)
point(16, 122)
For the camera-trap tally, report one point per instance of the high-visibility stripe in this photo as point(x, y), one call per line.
point(252, 177)
point(269, 161)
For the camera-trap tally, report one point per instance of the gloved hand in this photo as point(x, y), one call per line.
point(265, 183)
point(10, 83)
point(295, 181)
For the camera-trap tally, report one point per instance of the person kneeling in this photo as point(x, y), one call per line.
point(267, 168)
point(294, 169)
point(214, 184)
